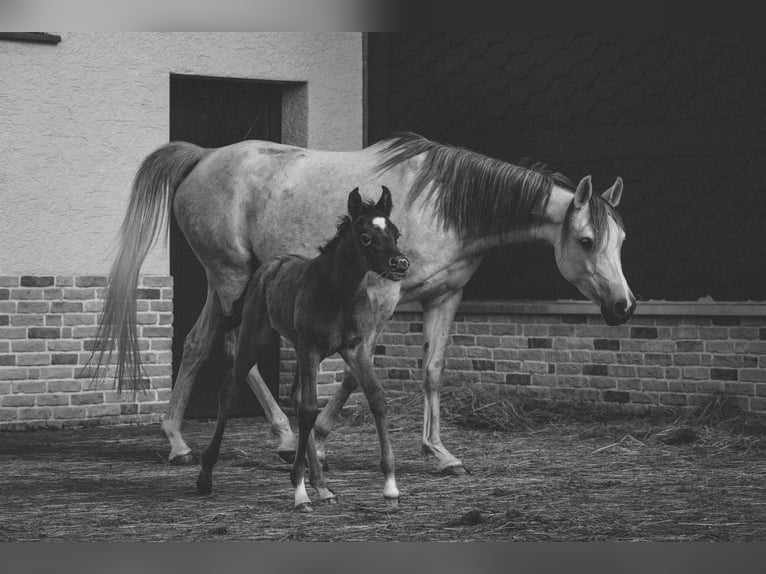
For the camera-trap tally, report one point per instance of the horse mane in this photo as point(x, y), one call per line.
point(344, 223)
point(473, 193)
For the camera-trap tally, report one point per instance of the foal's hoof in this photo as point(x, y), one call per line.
point(187, 459)
point(204, 485)
point(287, 455)
point(304, 507)
point(325, 466)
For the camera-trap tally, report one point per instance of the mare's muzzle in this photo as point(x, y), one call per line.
point(618, 313)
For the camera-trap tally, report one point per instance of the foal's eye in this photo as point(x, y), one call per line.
point(587, 243)
point(365, 239)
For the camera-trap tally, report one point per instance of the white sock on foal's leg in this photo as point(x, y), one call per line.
point(302, 500)
point(391, 492)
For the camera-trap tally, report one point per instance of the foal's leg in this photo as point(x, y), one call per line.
point(205, 334)
point(226, 398)
point(331, 411)
point(360, 362)
point(305, 404)
point(253, 339)
point(437, 319)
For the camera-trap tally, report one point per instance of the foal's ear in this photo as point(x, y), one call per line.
point(583, 192)
point(354, 203)
point(385, 204)
point(613, 195)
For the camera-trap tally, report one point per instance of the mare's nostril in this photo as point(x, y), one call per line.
point(620, 307)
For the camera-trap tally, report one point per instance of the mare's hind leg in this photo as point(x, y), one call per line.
point(268, 370)
point(360, 361)
point(268, 366)
point(205, 334)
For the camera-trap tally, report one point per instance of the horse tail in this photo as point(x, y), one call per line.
point(148, 213)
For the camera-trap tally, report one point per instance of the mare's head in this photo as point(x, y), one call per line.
point(588, 254)
point(375, 236)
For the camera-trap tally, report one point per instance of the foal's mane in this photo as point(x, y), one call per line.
point(473, 194)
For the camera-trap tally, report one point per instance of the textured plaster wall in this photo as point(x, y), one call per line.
point(78, 118)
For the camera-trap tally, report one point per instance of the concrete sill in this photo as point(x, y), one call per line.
point(572, 307)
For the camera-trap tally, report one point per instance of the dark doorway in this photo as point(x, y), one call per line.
point(212, 112)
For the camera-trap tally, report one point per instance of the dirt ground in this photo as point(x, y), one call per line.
point(534, 476)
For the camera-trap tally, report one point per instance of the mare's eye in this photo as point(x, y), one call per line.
point(587, 243)
point(365, 239)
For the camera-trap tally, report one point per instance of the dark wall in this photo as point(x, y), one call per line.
point(682, 118)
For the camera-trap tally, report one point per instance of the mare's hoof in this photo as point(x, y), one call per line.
point(392, 504)
point(304, 507)
point(187, 459)
point(287, 455)
point(204, 485)
point(330, 500)
point(454, 470)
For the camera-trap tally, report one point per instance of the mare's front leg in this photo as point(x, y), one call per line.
point(360, 363)
point(305, 405)
point(437, 320)
point(206, 333)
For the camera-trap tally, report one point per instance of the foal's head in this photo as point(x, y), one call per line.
point(375, 236)
point(589, 252)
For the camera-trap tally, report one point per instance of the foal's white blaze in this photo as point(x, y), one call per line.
point(301, 496)
point(380, 222)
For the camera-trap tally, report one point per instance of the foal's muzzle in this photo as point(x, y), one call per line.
point(397, 267)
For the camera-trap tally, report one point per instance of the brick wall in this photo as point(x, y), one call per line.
point(653, 362)
point(47, 325)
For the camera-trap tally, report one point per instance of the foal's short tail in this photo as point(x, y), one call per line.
point(148, 212)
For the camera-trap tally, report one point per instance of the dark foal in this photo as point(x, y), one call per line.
point(334, 303)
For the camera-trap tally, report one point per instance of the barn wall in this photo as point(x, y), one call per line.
point(47, 330)
point(658, 361)
point(78, 118)
point(653, 362)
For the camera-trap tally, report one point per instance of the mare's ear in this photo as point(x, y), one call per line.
point(385, 205)
point(613, 195)
point(354, 203)
point(583, 192)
